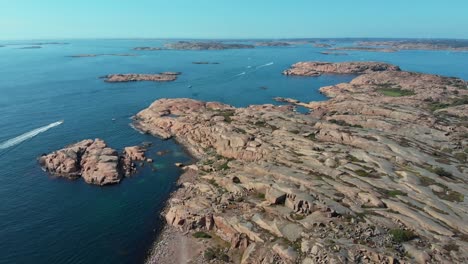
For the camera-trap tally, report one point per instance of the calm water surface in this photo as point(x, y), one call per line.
point(48, 220)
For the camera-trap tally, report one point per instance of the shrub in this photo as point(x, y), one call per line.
point(401, 235)
point(201, 234)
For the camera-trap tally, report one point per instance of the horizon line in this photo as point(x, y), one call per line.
point(223, 38)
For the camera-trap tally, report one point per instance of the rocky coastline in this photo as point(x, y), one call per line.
point(376, 174)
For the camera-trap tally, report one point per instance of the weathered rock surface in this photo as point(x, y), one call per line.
point(315, 68)
point(93, 161)
point(187, 45)
point(368, 177)
point(131, 154)
point(133, 77)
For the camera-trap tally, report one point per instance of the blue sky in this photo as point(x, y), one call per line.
point(35, 19)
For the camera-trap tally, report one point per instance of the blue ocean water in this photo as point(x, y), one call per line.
point(49, 220)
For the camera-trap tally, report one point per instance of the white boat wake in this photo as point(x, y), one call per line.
point(265, 65)
point(17, 140)
point(240, 74)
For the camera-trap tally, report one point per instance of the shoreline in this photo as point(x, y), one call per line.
point(171, 246)
point(274, 184)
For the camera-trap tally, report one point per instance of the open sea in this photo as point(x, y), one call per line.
point(54, 220)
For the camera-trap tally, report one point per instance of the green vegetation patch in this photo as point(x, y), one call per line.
point(451, 196)
point(441, 172)
point(362, 173)
point(460, 156)
point(401, 235)
point(226, 113)
point(215, 253)
point(201, 234)
point(343, 123)
point(395, 193)
point(395, 92)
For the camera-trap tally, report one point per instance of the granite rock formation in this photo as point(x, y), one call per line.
point(377, 174)
point(93, 161)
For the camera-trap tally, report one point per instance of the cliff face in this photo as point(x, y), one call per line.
point(376, 174)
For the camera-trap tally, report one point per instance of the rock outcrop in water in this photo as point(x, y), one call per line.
point(136, 77)
point(315, 68)
point(187, 45)
point(377, 174)
point(93, 161)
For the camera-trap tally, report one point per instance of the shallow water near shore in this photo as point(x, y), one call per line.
point(50, 220)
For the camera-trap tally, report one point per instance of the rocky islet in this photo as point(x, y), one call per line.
point(93, 161)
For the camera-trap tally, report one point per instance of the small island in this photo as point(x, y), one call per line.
point(98, 55)
point(322, 45)
point(187, 45)
point(148, 48)
point(273, 44)
point(424, 44)
point(93, 161)
point(31, 47)
point(135, 77)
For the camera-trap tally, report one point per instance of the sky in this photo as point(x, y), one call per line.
point(65, 19)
